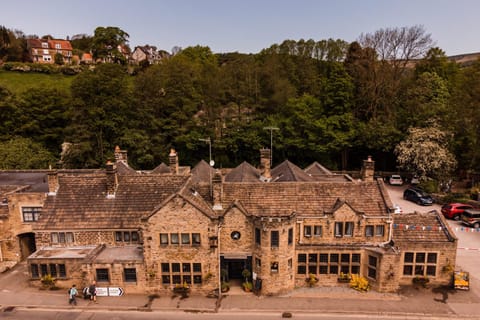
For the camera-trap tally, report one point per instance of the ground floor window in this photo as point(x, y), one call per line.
point(102, 275)
point(372, 267)
point(328, 263)
point(130, 274)
point(174, 273)
point(420, 264)
point(56, 270)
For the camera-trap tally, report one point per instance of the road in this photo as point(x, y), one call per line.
point(25, 314)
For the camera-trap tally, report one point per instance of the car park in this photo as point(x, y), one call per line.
point(418, 196)
point(454, 210)
point(395, 180)
point(471, 218)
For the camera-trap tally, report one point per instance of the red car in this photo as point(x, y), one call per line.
point(454, 210)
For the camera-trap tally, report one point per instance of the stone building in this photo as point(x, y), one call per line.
point(151, 231)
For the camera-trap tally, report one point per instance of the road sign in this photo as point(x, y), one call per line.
point(109, 291)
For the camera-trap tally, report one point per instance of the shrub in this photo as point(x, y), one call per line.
point(359, 283)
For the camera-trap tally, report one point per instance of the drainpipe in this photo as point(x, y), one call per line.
point(219, 263)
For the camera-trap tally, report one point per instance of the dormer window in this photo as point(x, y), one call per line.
point(343, 229)
point(44, 44)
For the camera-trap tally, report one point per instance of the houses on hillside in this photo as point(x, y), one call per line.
point(204, 228)
point(45, 51)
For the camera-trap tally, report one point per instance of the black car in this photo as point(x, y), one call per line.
point(418, 196)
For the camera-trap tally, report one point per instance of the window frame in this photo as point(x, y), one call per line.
point(31, 214)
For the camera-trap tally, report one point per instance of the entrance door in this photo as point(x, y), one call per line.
point(234, 267)
point(27, 244)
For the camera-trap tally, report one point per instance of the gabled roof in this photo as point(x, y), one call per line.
point(304, 198)
point(287, 171)
point(421, 227)
point(245, 172)
point(81, 201)
point(64, 44)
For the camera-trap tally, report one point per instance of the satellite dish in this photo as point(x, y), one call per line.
point(212, 163)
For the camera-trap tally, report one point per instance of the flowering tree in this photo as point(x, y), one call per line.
point(425, 152)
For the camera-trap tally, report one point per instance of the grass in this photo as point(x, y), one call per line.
point(17, 82)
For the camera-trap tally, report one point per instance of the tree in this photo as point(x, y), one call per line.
point(108, 43)
point(13, 155)
point(425, 152)
point(399, 46)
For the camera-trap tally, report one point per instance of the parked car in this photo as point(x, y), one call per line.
point(397, 208)
point(454, 210)
point(414, 181)
point(471, 218)
point(418, 196)
point(395, 180)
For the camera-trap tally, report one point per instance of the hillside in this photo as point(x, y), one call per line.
point(17, 82)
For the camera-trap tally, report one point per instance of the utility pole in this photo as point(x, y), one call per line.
point(211, 163)
point(271, 142)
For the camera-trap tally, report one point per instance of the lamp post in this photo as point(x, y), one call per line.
point(211, 163)
point(271, 142)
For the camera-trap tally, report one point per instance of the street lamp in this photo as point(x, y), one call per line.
point(271, 142)
point(210, 162)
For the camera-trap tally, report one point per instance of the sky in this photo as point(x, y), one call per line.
point(247, 26)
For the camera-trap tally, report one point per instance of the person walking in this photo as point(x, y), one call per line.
point(72, 294)
point(92, 290)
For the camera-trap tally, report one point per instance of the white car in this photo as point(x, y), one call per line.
point(395, 180)
point(397, 209)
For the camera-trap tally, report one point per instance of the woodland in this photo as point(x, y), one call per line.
point(391, 94)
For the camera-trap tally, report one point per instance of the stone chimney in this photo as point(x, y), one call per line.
point(368, 169)
point(120, 155)
point(112, 179)
point(173, 161)
point(265, 158)
point(217, 190)
point(52, 182)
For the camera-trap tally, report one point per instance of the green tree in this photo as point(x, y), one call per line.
point(13, 155)
point(108, 43)
point(425, 152)
point(101, 113)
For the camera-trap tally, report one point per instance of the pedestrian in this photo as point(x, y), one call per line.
point(72, 294)
point(92, 290)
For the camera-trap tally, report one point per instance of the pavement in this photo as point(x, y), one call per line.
point(409, 302)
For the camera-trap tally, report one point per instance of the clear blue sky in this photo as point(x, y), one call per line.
point(247, 26)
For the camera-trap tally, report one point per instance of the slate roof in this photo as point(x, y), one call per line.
point(320, 173)
point(81, 202)
point(287, 171)
point(421, 227)
point(245, 172)
point(305, 198)
point(124, 168)
point(36, 180)
point(202, 172)
point(161, 168)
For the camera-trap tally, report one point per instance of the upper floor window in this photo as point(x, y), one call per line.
point(258, 236)
point(344, 229)
point(31, 213)
point(307, 231)
point(44, 44)
point(183, 238)
point(62, 237)
point(290, 236)
point(58, 46)
point(126, 236)
point(274, 239)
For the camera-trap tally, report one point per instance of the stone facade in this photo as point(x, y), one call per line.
point(153, 232)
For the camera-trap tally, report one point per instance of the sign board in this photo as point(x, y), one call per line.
point(109, 291)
